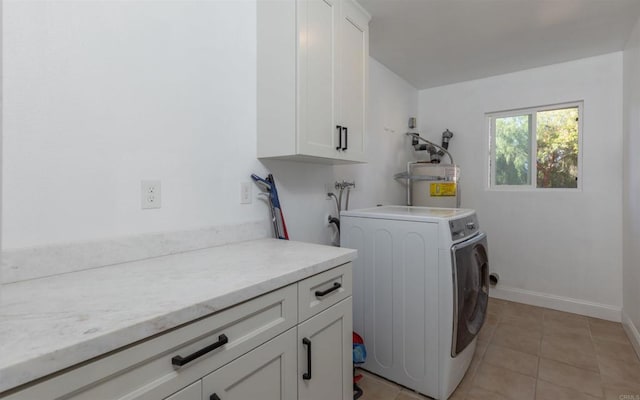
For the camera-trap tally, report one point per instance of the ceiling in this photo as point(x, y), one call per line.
point(436, 42)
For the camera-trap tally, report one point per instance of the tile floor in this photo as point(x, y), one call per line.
point(532, 353)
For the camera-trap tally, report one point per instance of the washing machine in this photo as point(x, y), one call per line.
point(420, 292)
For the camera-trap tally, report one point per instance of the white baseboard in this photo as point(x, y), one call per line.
point(567, 304)
point(632, 332)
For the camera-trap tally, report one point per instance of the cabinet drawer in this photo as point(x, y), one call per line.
point(146, 371)
point(319, 292)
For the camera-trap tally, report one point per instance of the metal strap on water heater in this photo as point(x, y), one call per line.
point(406, 176)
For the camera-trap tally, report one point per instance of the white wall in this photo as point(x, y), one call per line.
point(560, 249)
point(100, 95)
point(391, 102)
point(631, 199)
point(1, 125)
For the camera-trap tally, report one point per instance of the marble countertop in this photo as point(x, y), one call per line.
point(51, 323)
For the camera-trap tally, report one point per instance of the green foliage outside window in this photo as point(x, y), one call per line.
point(513, 146)
point(557, 141)
point(556, 154)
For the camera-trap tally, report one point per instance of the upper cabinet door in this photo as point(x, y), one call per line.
point(312, 58)
point(354, 54)
point(318, 89)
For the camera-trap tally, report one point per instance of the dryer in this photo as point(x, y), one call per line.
point(420, 292)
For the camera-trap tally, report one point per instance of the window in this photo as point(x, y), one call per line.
point(536, 147)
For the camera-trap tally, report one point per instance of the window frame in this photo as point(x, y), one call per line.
point(533, 146)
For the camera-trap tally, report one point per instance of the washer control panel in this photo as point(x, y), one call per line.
point(463, 227)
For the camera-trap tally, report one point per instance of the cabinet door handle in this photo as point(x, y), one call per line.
point(346, 136)
point(214, 397)
point(307, 375)
point(335, 287)
point(180, 361)
point(339, 128)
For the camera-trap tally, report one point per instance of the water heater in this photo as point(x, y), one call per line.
point(433, 185)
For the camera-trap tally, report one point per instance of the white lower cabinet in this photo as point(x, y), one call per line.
point(325, 354)
point(253, 350)
point(191, 392)
point(266, 373)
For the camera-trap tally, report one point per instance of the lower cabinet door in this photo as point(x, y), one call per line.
point(191, 392)
point(266, 373)
point(325, 355)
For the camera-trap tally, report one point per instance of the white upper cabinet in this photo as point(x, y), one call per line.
point(312, 80)
point(318, 86)
point(354, 45)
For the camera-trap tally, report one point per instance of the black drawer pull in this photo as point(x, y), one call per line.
point(346, 138)
point(339, 128)
point(307, 375)
point(214, 397)
point(335, 287)
point(180, 361)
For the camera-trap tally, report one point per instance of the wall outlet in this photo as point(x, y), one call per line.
point(150, 194)
point(245, 192)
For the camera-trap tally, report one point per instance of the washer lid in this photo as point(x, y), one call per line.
point(409, 213)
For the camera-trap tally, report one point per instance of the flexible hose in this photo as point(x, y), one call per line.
point(331, 194)
point(335, 221)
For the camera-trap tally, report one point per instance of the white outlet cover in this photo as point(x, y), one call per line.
point(245, 193)
point(150, 194)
